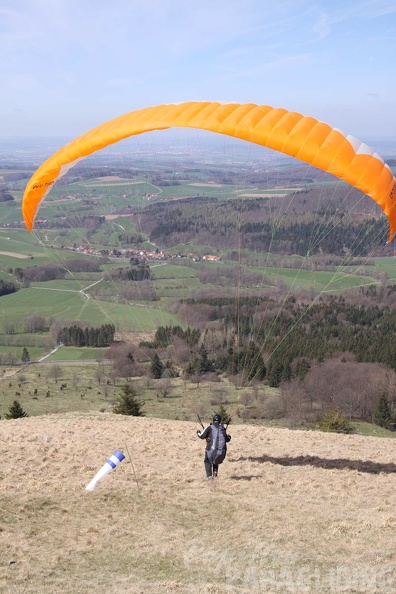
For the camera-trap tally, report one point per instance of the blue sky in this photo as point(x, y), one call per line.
point(68, 65)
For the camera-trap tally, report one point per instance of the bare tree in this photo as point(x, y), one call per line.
point(219, 396)
point(195, 378)
point(164, 386)
point(75, 379)
point(247, 398)
point(35, 323)
point(99, 375)
point(9, 327)
point(297, 402)
point(55, 372)
point(349, 386)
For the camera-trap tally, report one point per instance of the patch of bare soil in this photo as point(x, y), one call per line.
point(264, 195)
point(206, 185)
point(14, 255)
point(113, 181)
point(111, 217)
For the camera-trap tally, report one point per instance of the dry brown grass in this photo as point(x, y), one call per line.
point(292, 511)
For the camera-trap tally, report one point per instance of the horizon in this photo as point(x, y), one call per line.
point(14, 145)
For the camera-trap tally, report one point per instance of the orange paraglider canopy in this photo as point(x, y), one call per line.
point(289, 132)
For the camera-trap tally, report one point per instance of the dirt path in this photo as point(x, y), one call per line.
point(15, 255)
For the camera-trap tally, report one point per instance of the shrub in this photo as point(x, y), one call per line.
point(335, 421)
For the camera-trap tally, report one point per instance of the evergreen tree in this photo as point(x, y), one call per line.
point(203, 364)
point(275, 374)
point(93, 337)
point(128, 403)
point(253, 363)
point(302, 369)
point(157, 367)
point(382, 414)
point(101, 338)
point(162, 336)
point(286, 372)
point(222, 411)
point(15, 411)
point(25, 355)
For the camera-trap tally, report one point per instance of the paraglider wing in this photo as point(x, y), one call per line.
point(289, 132)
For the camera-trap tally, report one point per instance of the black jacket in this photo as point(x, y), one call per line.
point(217, 439)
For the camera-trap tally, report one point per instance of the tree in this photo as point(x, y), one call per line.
point(55, 372)
point(157, 367)
point(382, 415)
point(25, 355)
point(165, 387)
point(222, 411)
point(275, 374)
point(35, 323)
point(16, 411)
point(128, 403)
point(203, 364)
point(99, 375)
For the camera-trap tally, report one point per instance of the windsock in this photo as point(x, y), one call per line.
point(111, 463)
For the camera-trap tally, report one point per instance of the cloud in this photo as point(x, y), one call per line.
point(377, 8)
point(282, 63)
point(322, 27)
point(366, 10)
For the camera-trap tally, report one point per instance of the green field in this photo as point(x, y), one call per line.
point(168, 270)
point(388, 266)
point(77, 354)
point(319, 281)
point(16, 352)
point(67, 305)
point(10, 213)
point(136, 189)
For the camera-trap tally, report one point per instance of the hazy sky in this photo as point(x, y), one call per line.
point(68, 65)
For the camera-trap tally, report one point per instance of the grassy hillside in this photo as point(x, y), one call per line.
point(290, 512)
point(70, 304)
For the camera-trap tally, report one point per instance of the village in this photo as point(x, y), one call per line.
point(143, 255)
point(125, 253)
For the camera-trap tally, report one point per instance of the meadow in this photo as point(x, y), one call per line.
point(73, 379)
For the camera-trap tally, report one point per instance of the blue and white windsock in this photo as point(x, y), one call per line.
point(111, 463)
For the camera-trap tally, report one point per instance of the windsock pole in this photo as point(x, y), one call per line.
point(133, 468)
point(111, 463)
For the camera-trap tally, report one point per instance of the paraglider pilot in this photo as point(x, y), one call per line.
point(216, 446)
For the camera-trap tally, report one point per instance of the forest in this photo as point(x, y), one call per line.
point(335, 353)
point(260, 225)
